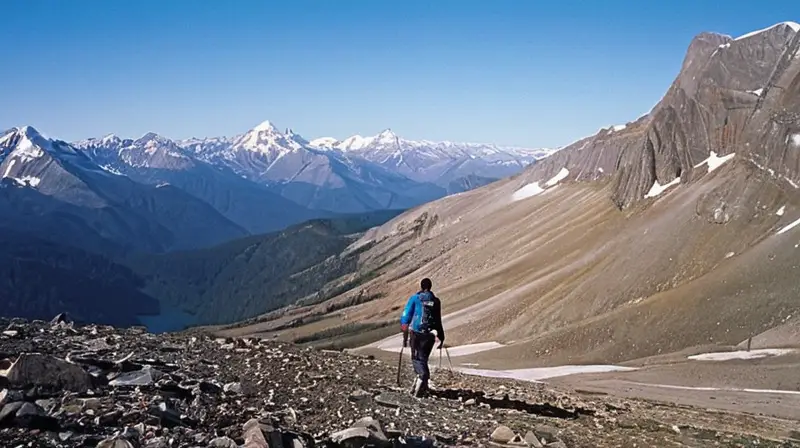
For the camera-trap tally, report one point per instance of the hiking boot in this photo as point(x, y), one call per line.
point(415, 386)
point(420, 389)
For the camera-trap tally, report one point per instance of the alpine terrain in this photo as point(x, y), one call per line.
point(645, 243)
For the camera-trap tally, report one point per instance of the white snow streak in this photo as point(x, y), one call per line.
point(557, 178)
point(794, 139)
point(781, 211)
point(540, 373)
point(742, 354)
point(657, 189)
point(720, 389)
point(10, 165)
point(111, 169)
point(789, 227)
point(29, 180)
point(756, 92)
point(459, 350)
point(527, 191)
point(792, 25)
point(713, 161)
point(618, 127)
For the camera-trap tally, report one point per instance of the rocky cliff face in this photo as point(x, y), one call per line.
point(732, 96)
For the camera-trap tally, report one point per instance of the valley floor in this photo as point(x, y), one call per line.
point(761, 382)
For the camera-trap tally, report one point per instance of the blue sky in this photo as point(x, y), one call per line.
point(534, 73)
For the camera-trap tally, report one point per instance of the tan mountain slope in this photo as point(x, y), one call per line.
point(643, 239)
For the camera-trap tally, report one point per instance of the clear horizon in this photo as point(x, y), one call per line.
point(514, 73)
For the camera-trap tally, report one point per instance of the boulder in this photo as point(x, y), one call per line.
point(351, 437)
point(233, 388)
point(547, 432)
point(532, 441)
point(502, 434)
point(253, 437)
point(115, 442)
point(223, 442)
point(48, 372)
point(147, 376)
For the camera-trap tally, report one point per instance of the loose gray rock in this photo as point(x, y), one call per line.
point(47, 371)
point(253, 437)
point(502, 434)
point(10, 410)
point(546, 432)
point(558, 444)
point(144, 377)
point(10, 396)
point(351, 437)
point(532, 440)
point(115, 442)
point(233, 388)
point(223, 442)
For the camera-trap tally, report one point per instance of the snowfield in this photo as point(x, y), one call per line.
point(657, 189)
point(741, 354)
point(541, 373)
point(527, 191)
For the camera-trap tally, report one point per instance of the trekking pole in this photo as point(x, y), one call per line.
point(400, 361)
point(440, 357)
point(448, 358)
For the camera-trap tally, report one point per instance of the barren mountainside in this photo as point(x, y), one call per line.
point(672, 231)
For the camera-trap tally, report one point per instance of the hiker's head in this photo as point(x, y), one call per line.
point(426, 284)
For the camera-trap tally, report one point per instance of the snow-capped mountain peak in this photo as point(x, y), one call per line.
point(266, 126)
point(355, 142)
point(386, 137)
point(323, 142)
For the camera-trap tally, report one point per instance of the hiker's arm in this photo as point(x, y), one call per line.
point(437, 315)
point(408, 313)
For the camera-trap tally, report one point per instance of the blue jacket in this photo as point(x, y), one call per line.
point(423, 313)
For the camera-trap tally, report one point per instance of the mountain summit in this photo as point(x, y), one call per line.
point(437, 162)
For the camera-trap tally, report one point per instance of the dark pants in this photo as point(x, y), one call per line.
point(421, 348)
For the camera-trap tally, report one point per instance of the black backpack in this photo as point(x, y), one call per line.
point(427, 320)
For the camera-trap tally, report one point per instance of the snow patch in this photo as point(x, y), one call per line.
point(618, 127)
point(781, 211)
point(742, 354)
point(789, 227)
point(30, 181)
point(756, 92)
point(459, 350)
point(111, 169)
point(713, 161)
point(557, 178)
point(794, 139)
point(600, 169)
point(527, 191)
point(10, 165)
point(719, 389)
point(540, 373)
point(794, 26)
point(657, 189)
point(323, 142)
point(727, 45)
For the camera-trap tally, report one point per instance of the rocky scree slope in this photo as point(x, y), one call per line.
point(685, 210)
point(63, 385)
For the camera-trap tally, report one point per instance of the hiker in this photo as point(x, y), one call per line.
point(422, 314)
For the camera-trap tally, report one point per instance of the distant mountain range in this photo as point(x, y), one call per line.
point(153, 194)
